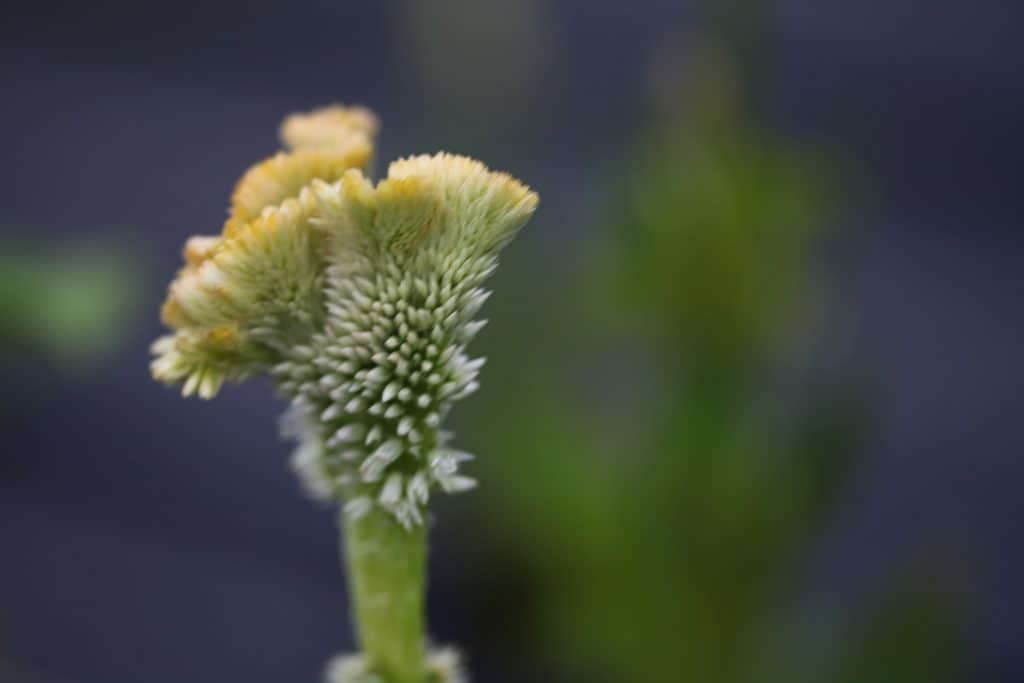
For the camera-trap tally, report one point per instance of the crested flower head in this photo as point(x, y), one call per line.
point(358, 299)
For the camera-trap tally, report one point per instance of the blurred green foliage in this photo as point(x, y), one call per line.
point(663, 509)
point(66, 307)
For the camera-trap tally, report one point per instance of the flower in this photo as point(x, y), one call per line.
point(359, 300)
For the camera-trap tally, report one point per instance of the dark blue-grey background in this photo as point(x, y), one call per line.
point(147, 539)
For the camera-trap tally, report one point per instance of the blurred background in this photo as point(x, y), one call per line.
point(751, 410)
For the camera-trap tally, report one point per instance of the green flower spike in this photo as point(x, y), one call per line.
point(359, 301)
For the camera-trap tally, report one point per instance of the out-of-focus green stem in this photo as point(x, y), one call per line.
point(387, 580)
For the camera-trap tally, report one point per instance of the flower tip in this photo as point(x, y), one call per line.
point(199, 248)
point(408, 210)
point(329, 127)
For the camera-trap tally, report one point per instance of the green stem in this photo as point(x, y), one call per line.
point(387, 576)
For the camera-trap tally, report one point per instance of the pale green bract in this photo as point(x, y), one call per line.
point(443, 666)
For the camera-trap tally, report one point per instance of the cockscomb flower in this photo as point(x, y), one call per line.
point(359, 301)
